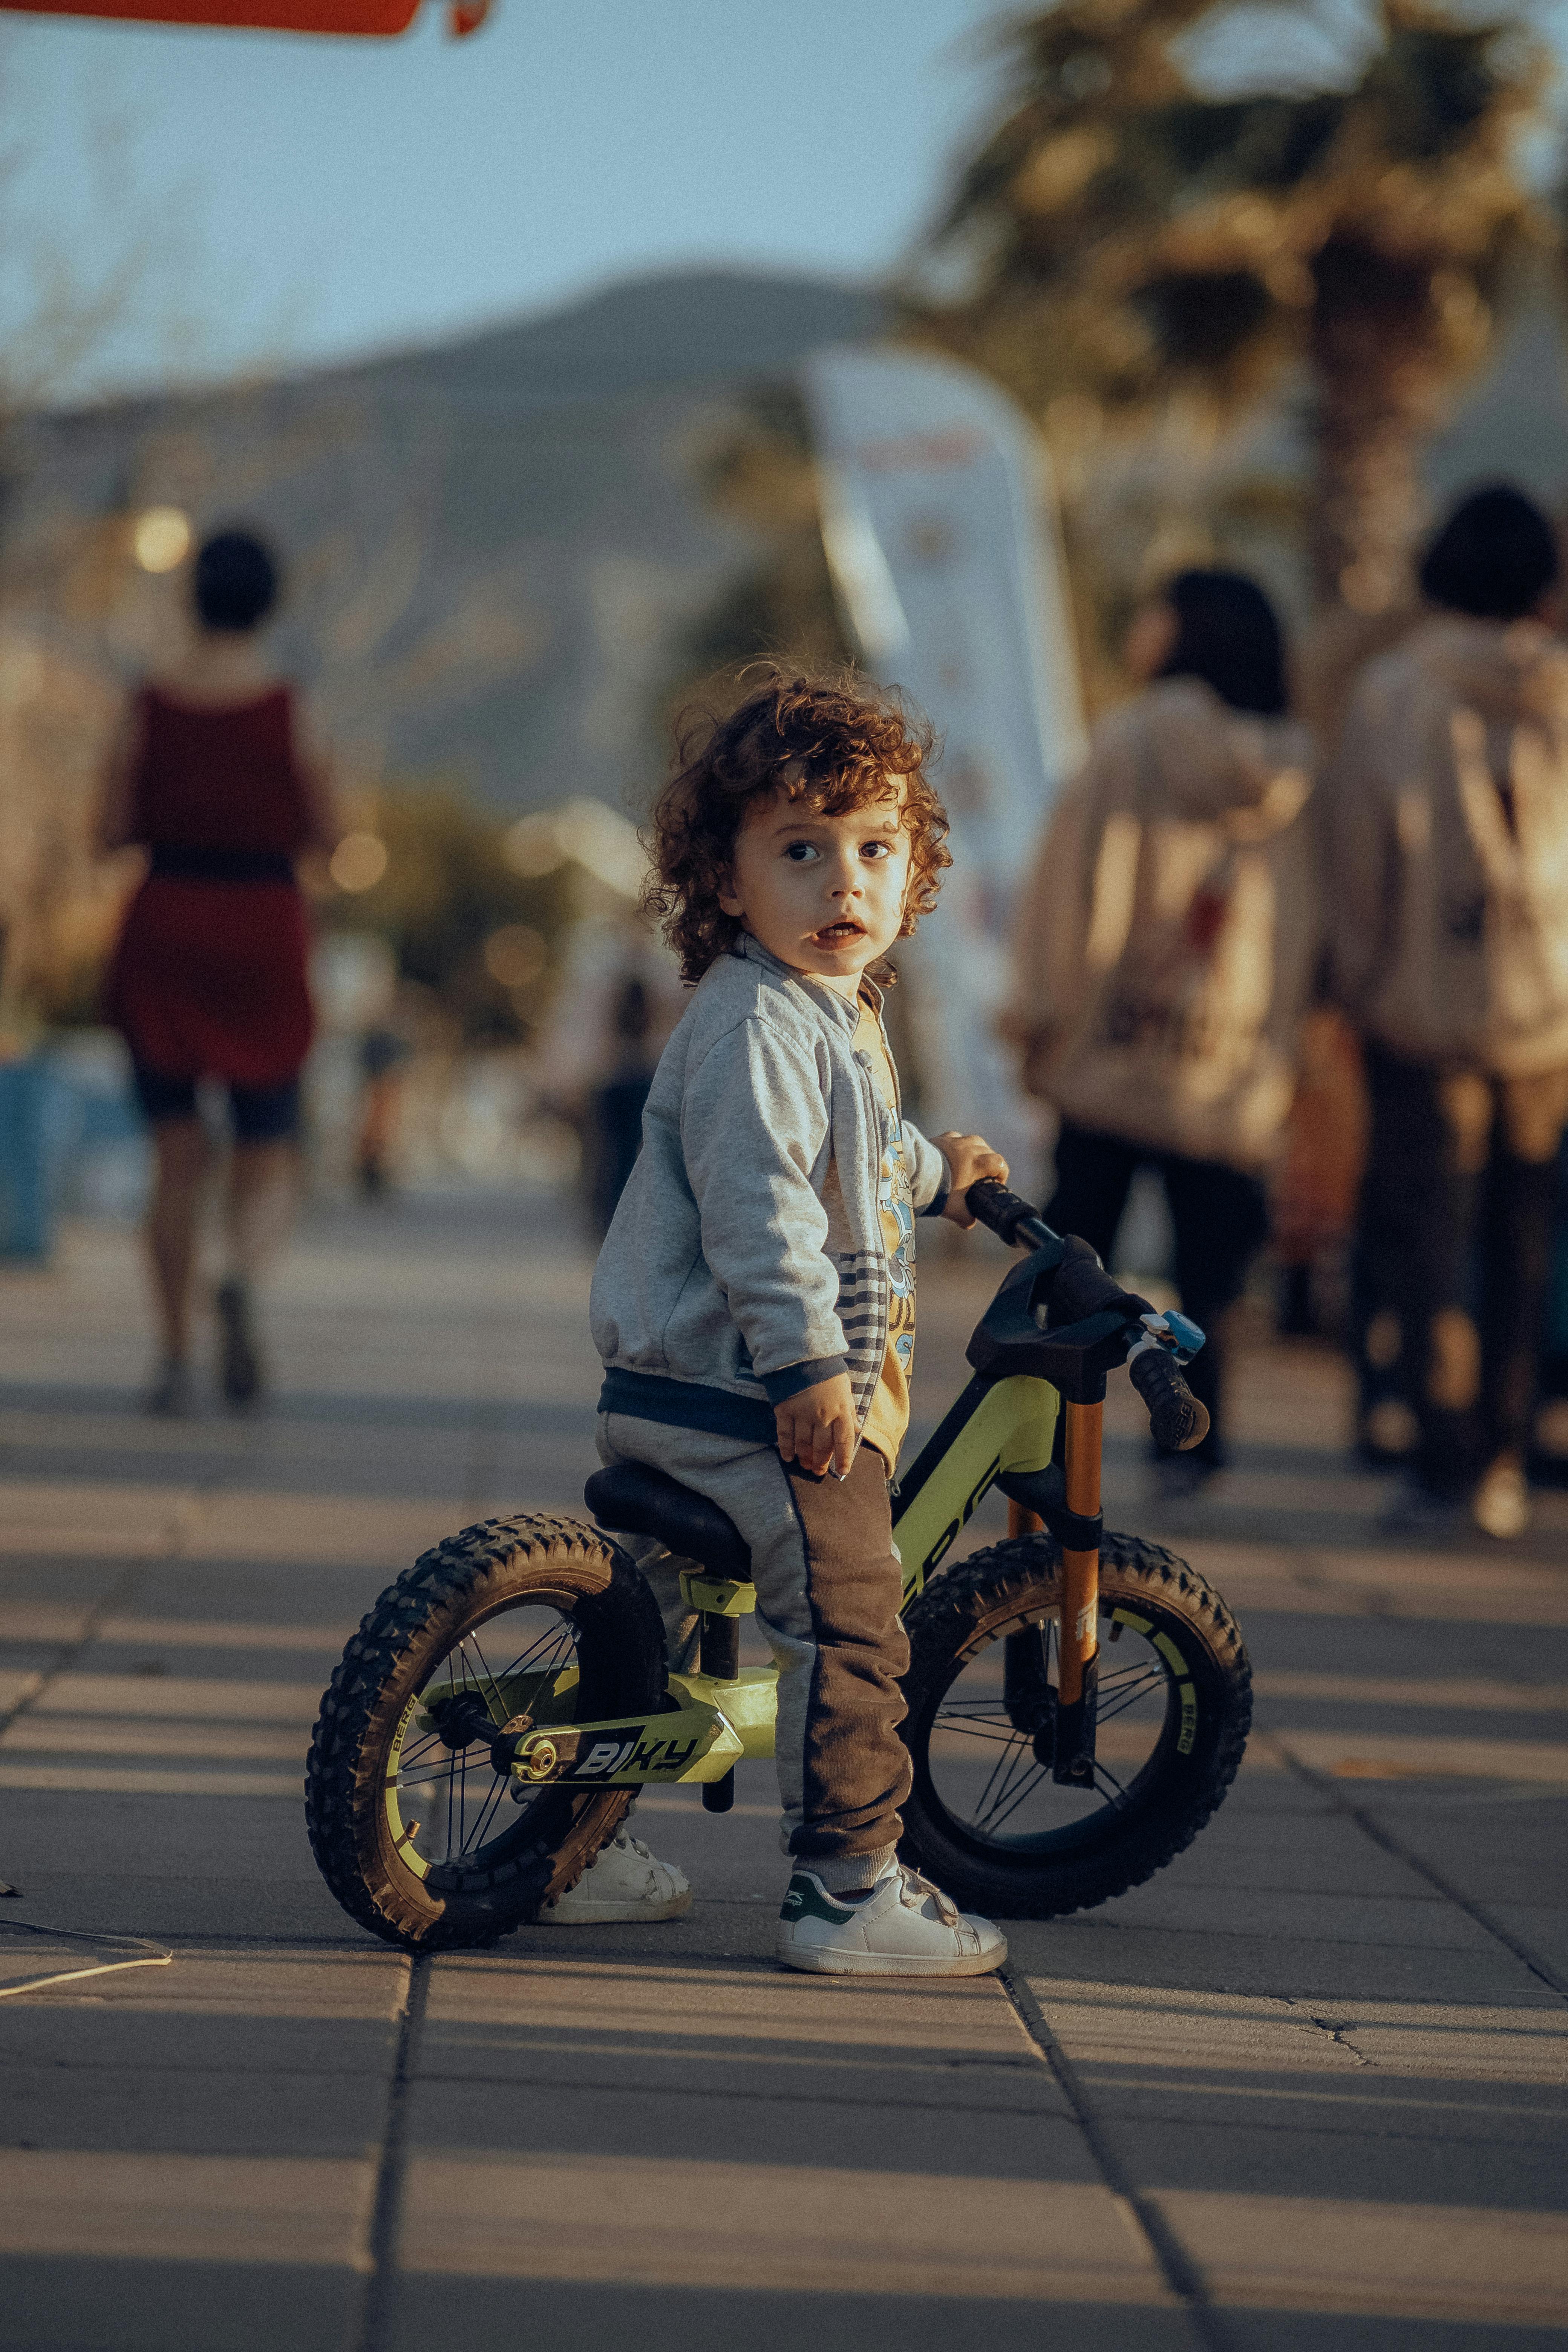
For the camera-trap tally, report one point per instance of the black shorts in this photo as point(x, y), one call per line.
point(261, 1114)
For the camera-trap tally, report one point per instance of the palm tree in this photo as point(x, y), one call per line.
point(1130, 233)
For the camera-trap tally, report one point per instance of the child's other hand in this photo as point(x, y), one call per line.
point(816, 1426)
point(970, 1159)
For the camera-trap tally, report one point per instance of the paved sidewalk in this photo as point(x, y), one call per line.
point(1302, 2093)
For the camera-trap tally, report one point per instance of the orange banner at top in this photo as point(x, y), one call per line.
point(378, 19)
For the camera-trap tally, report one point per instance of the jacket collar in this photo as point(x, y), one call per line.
point(838, 1008)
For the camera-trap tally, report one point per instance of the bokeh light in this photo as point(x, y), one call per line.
point(593, 836)
point(534, 847)
point(161, 538)
point(515, 955)
point(358, 862)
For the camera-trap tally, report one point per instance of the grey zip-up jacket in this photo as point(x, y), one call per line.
point(745, 1260)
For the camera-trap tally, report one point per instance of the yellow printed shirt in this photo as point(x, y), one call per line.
point(887, 1419)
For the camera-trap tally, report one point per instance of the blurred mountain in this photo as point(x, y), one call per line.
point(499, 547)
point(491, 544)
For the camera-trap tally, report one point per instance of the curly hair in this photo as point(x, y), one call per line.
point(829, 740)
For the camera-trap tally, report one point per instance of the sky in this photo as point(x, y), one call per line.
point(277, 202)
point(256, 202)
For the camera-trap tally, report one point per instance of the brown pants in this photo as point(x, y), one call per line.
point(829, 1589)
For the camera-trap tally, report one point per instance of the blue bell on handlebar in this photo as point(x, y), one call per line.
point(1186, 1334)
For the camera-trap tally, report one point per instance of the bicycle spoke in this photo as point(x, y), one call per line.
point(1010, 1762)
point(1000, 1765)
point(1018, 1790)
point(422, 1775)
point(412, 1751)
point(491, 1802)
point(467, 1674)
point(1123, 1695)
point(995, 1820)
point(1124, 1677)
point(483, 1676)
point(1002, 1730)
point(479, 1671)
point(558, 1637)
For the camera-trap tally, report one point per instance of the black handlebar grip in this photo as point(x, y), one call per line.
point(1177, 1418)
point(997, 1208)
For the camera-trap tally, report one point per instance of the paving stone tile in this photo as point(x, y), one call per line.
point(84, 2300)
point(1416, 2149)
point(259, 2108)
point(1541, 1928)
point(1376, 2255)
point(645, 2026)
point(781, 2220)
point(1421, 1918)
point(219, 2053)
point(1300, 1968)
point(483, 2314)
point(1270, 2329)
point(86, 2235)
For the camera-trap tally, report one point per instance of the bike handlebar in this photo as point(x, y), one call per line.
point(1003, 1213)
point(1177, 1418)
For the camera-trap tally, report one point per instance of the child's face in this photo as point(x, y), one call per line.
point(824, 894)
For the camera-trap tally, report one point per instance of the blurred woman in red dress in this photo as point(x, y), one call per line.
point(209, 978)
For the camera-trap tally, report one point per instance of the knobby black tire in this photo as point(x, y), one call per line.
point(1010, 1583)
point(453, 1589)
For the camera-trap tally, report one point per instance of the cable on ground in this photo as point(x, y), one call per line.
point(148, 1955)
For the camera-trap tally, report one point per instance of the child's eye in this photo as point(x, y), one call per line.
point(801, 850)
point(876, 849)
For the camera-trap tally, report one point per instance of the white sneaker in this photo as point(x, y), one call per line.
point(904, 1928)
point(1500, 1504)
point(624, 1882)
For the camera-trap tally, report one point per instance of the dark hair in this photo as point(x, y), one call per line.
point(236, 583)
point(828, 738)
point(1494, 558)
point(1229, 636)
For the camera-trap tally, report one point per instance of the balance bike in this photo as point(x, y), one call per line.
point(502, 1703)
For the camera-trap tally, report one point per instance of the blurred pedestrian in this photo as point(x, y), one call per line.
point(1447, 824)
point(383, 1055)
point(1165, 947)
point(617, 1102)
point(209, 774)
point(619, 998)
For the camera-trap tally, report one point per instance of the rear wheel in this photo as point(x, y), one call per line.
point(985, 1818)
point(415, 1833)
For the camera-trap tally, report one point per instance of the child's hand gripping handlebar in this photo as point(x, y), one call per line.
point(1081, 1287)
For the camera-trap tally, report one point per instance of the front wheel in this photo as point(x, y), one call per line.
point(986, 1819)
point(415, 1833)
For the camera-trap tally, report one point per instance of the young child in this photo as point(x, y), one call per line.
point(754, 1300)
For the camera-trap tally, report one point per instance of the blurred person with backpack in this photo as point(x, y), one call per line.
point(1165, 947)
point(210, 774)
point(1447, 825)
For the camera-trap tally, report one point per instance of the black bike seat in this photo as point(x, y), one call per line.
point(631, 1499)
